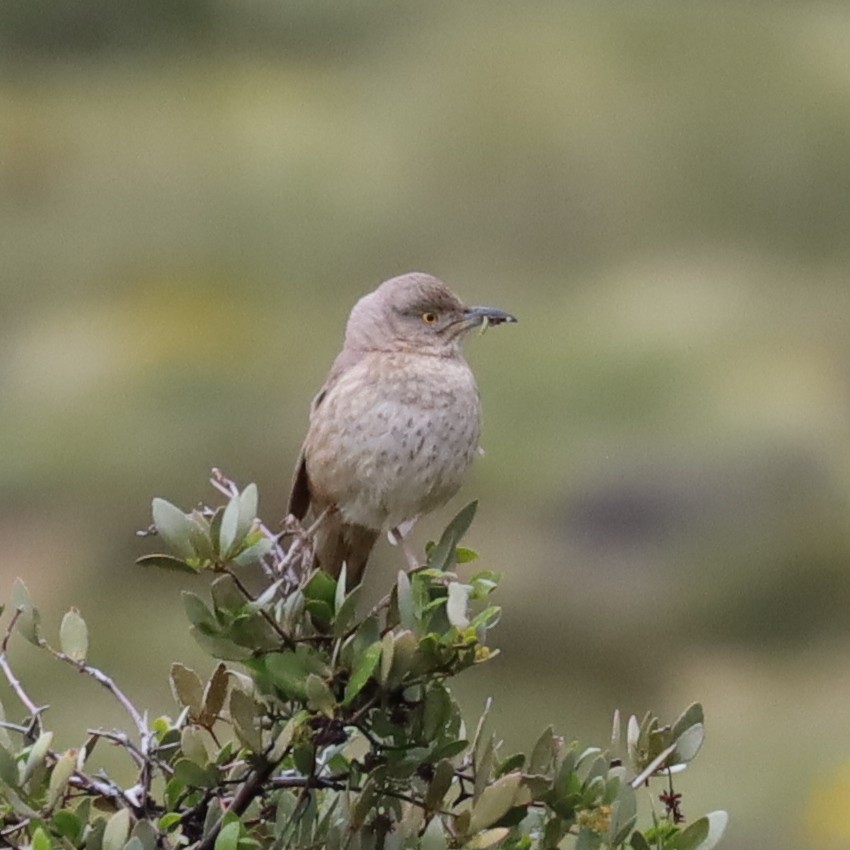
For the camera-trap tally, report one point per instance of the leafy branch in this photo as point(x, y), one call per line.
point(326, 726)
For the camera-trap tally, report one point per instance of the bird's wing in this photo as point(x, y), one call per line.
point(300, 495)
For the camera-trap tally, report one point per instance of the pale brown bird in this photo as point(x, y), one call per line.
point(395, 427)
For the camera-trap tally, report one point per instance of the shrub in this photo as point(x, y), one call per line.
point(325, 725)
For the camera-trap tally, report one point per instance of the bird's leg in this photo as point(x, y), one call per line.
point(317, 523)
point(302, 547)
point(396, 537)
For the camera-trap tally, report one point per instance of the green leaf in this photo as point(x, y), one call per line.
point(28, 621)
point(193, 775)
point(243, 714)
point(74, 636)
point(487, 619)
point(187, 688)
point(588, 839)
point(717, 823)
point(41, 840)
point(167, 821)
point(5, 739)
point(434, 837)
point(482, 740)
point(10, 796)
point(174, 527)
point(192, 745)
point(254, 553)
point(68, 825)
point(346, 613)
point(339, 595)
point(248, 508)
point(488, 838)
point(236, 522)
point(215, 528)
point(288, 672)
point(228, 838)
point(363, 804)
point(654, 765)
point(254, 632)
point(703, 834)
point(363, 670)
point(62, 771)
point(8, 767)
point(442, 556)
point(214, 694)
point(444, 772)
point(464, 555)
point(37, 755)
point(320, 696)
point(692, 715)
point(198, 613)
point(117, 830)
point(512, 763)
point(448, 750)
point(495, 802)
point(284, 739)
point(304, 758)
point(265, 599)
point(624, 815)
point(321, 588)
point(321, 614)
point(147, 834)
point(228, 533)
point(406, 612)
point(387, 653)
point(543, 753)
point(438, 705)
point(199, 537)
point(226, 597)
point(688, 744)
point(405, 646)
point(484, 755)
point(692, 837)
point(220, 647)
point(20, 596)
point(165, 562)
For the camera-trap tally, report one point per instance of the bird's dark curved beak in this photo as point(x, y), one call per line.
point(478, 315)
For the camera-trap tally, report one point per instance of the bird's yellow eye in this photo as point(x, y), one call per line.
point(429, 318)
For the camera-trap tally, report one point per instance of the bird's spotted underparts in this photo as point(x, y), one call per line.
point(396, 425)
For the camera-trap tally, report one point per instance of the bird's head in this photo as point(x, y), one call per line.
point(415, 312)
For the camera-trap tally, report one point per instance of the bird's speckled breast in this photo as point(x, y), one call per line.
point(393, 437)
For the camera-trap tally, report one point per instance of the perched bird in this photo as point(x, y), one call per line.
point(395, 427)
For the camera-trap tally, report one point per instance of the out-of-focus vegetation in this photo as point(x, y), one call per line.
point(192, 195)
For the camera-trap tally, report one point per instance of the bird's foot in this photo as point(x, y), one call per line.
point(396, 537)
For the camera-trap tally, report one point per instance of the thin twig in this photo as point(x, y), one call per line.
point(11, 830)
point(287, 639)
point(120, 739)
point(139, 719)
point(34, 727)
point(15, 727)
point(108, 683)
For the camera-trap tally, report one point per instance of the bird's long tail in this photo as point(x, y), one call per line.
point(338, 542)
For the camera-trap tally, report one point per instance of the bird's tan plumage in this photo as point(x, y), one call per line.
point(396, 425)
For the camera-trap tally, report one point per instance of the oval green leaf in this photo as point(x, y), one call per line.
point(74, 636)
point(363, 670)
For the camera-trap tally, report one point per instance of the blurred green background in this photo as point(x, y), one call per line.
point(192, 195)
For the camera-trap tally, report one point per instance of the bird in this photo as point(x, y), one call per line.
point(396, 425)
